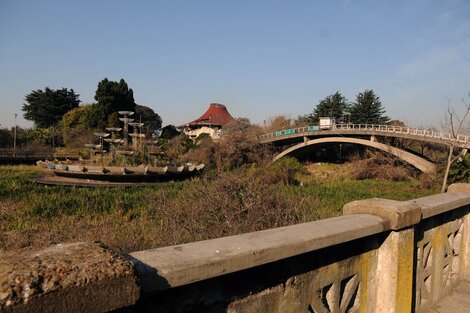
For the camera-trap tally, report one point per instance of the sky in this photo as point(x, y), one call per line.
point(259, 58)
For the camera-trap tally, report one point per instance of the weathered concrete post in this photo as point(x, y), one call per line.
point(465, 250)
point(394, 274)
point(74, 277)
point(465, 253)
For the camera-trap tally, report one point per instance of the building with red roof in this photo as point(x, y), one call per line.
point(211, 122)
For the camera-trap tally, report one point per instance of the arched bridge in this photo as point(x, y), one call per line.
point(309, 136)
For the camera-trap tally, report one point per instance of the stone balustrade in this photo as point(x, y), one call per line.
point(380, 256)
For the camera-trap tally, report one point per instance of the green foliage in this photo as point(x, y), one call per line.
point(41, 134)
point(6, 138)
point(46, 108)
point(176, 147)
point(130, 219)
point(77, 123)
point(78, 117)
point(334, 105)
point(460, 171)
point(169, 131)
point(283, 171)
point(152, 120)
point(111, 97)
point(368, 109)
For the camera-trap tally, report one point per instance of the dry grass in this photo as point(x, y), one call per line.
point(377, 165)
point(133, 219)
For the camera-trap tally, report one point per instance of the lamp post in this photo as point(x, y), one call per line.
point(14, 137)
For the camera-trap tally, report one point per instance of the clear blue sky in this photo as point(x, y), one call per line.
point(260, 58)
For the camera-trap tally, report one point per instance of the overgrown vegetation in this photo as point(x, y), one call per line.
point(377, 165)
point(460, 170)
point(127, 219)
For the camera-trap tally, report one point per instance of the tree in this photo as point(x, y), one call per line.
point(396, 123)
point(111, 97)
point(368, 109)
point(454, 125)
point(6, 140)
point(277, 123)
point(46, 108)
point(334, 105)
point(44, 135)
point(78, 117)
point(169, 131)
point(77, 121)
point(152, 121)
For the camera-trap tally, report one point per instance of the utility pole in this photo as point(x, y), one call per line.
point(14, 137)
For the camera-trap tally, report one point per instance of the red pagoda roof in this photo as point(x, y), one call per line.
point(216, 115)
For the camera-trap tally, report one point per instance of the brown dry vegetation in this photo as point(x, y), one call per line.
point(133, 219)
point(244, 200)
point(378, 165)
point(241, 192)
point(277, 123)
point(234, 149)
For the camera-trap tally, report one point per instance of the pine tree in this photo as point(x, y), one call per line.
point(111, 97)
point(334, 105)
point(368, 109)
point(46, 108)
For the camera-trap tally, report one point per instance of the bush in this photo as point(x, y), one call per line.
point(231, 204)
point(380, 166)
point(284, 171)
point(78, 117)
point(204, 152)
point(130, 219)
point(234, 149)
point(6, 138)
point(460, 171)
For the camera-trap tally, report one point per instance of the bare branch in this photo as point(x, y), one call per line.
point(450, 119)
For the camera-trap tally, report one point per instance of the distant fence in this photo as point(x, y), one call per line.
point(27, 156)
point(380, 256)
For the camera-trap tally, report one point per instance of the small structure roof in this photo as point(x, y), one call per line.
point(216, 115)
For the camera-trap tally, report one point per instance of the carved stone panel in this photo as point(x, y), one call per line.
point(438, 259)
point(339, 297)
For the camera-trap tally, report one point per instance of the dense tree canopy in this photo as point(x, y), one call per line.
point(46, 108)
point(79, 119)
point(111, 97)
point(169, 131)
point(334, 105)
point(368, 109)
point(152, 121)
point(6, 138)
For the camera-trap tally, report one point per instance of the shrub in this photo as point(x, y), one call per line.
point(232, 204)
point(460, 171)
point(377, 165)
point(284, 171)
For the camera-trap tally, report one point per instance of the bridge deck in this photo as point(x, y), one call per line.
point(457, 301)
point(293, 134)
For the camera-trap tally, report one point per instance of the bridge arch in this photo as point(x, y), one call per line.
point(418, 162)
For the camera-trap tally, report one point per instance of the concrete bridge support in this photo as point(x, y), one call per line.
point(416, 161)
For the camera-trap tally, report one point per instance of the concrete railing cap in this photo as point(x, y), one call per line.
point(458, 187)
point(168, 267)
point(396, 214)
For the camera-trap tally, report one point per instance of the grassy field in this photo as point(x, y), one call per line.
point(129, 219)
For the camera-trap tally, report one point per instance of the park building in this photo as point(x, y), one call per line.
point(211, 122)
